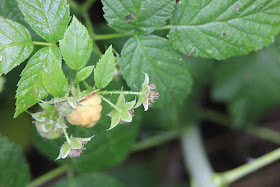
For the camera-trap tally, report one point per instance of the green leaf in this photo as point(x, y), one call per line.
point(84, 73)
point(30, 87)
point(2, 82)
point(49, 18)
point(155, 56)
point(15, 171)
point(76, 46)
point(143, 16)
point(105, 69)
point(91, 180)
point(121, 112)
point(221, 29)
point(250, 84)
point(15, 44)
point(53, 78)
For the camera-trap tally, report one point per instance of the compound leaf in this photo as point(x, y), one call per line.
point(30, 87)
point(49, 18)
point(15, 171)
point(155, 56)
point(105, 69)
point(249, 84)
point(221, 29)
point(142, 16)
point(15, 44)
point(76, 46)
point(53, 78)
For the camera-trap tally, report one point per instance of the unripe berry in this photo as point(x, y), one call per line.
point(87, 113)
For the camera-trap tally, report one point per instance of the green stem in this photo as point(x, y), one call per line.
point(120, 92)
point(261, 132)
point(230, 176)
point(110, 103)
point(43, 43)
point(66, 135)
point(48, 176)
point(88, 4)
point(196, 159)
point(159, 139)
point(110, 36)
point(87, 86)
point(165, 27)
point(90, 28)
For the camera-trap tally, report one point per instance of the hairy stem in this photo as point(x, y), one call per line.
point(48, 176)
point(120, 92)
point(110, 103)
point(66, 135)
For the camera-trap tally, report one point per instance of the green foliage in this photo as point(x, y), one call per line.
point(249, 84)
point(49, 18)
point(155, 56)
point(76, 46)
point(91, 180)
point(30, 87)
point(15, 171)
point(105, 69)
point(84, 73)
point(53, 78)
point(15, 44)
point(143, 16)
point(221, 29)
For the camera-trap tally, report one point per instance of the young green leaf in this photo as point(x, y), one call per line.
point(15, 171)
point(30, 87)
point(15, 44)
point(105, 69)
point(122, 113)
point(221, 29)
point(53, 78)
point(249, 84)
point(143, 16)
point(156, 57)
point(84, 73)
point(76, 46)
point(49, 18)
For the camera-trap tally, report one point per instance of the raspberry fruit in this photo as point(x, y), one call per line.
point(87, 113)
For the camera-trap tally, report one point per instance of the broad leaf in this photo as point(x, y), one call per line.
point(250, 84)
point(53, 78)
point(221, 29)
point(15, 44)
point(156, 57)
point(91, 180)
point(15, 171)
point(76, 46)
point(49, 18)
point(105, 69)
point(84, 73)
point(30, 87)
point(143, 16)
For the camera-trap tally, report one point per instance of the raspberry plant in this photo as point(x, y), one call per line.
point(93, 99)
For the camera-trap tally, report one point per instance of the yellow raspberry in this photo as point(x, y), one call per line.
point(87, 113)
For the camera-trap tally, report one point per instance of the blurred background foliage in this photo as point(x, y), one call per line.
point(246, 88)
